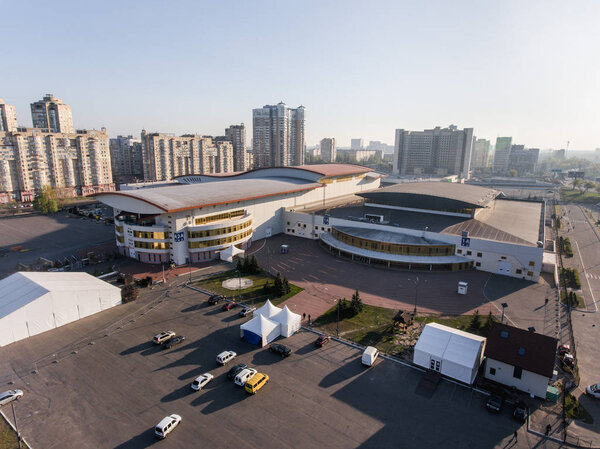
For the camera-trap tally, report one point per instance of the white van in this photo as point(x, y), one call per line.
point(166, 425)
point(244, 376)
point(225, 356)
point(369, 356)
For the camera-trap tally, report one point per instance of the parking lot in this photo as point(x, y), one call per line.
point(110, 385)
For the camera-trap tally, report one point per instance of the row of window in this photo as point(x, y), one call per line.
point(220, 231)
point(222, 241)
point(151, 235)
point(152, 245)
point(119, 229)
point(393, 248)
point(468, 253)
point(217, 217)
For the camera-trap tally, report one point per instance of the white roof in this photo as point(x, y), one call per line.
point(450, 344)
point(259, 325)
point(23, 288)
point(286, 316)
point(268, 310)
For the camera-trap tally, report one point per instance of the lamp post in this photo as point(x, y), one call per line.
point(416, 282)
point(337, 325)
point(504, 306)
point(16, 425)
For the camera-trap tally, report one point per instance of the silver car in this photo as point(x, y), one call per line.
point(201, 381)
point(9, 396)
point(593, 390)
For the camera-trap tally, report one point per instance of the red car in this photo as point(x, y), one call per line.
point(228, 305)
point(322, 340)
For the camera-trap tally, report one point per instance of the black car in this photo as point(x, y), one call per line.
point(494, 403)
point(520, 412)
point(236, 370)
point(168, 344)
point(322, 340)
point(282, 350)
point(214, 299)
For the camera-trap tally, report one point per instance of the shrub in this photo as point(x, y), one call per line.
point(129, 293)
point(475, 321)
point(356, 305)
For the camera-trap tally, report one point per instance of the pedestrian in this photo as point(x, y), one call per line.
point(309, 319)
point(546, 300)
point(303, 316)
point(548, 429)
point(516, 436)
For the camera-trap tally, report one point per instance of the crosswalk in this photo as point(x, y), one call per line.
point(592, 276)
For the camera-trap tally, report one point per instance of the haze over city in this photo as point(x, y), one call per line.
point(519, 69)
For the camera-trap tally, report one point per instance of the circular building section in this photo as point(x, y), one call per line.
point(397, 249)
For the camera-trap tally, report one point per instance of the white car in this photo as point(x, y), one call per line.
point(593, 390)
point(226, 356)
point(163, 336)
point(244, 375)
point(201, 381)
point(166, 425)
point(9, 396)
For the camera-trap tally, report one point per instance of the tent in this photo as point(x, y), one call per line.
point(259, 330)
point(288, 320)
point(229, 253)
point(35, 302)
point(268, 310)
point(449, 351)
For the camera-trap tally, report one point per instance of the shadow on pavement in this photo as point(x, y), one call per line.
point(182, 392)
point(306, 349)
point(266, 358)
point(138, 348)
point(195, 307)
point(145, 439)
point(217, 399)
point(343, 373)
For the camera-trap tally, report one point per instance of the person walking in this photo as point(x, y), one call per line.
point(516, 436)
point(548, 429)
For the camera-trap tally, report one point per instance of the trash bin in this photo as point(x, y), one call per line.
point(284, 249)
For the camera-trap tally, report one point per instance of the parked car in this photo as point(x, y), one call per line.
point(168, 344)
point(256, 382)
point(282, 350)
point(591, 390)
point(9, 396)
point(247, 311)
point(520, 412)
point(244, 376)
point(166, 425)
point(200, 381)
point(163, 336)
point(225, 357)
point(234, 371)
point(229, 305)
point(494, 403)
point(322, 340)
point(214, 299)
point(369, 356)
point(564, 349)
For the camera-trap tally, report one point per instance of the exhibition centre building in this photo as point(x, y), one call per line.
point(417, 225)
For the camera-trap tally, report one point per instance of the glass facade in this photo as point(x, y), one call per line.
point(152, 245)
point(162, 235)
point(217, 217)
point(219, 231)
point(222, 241)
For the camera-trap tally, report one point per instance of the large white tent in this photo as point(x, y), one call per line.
point(260, 330)
point(288, 320)
point(449, 351)
point(230, 252)
point(268, 310)
point(32, 303)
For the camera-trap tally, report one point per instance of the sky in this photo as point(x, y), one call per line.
point(526, 69)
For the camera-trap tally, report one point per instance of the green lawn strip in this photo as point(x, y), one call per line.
point(577, 196)
point(574, 410)
point(256, 293)
point(8, 437)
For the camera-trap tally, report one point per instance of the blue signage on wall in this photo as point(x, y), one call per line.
point(179, 237)
point(465, 241)
point(326, 219)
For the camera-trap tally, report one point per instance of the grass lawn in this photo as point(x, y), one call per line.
point(255, 294)
point(8, 438)
point(577, 196)
point(574, 410)
point(563, 299)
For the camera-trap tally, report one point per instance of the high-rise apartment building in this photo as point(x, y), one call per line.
point(502, 154)
point(236, 134)
point(166, 156)
point(328, 149)
point(8, 117)
point(278, 136)
point(523, 160)
point(52, 114)
point(126, 158)
point(481, 153)
point(438, 151)
point(357, 144)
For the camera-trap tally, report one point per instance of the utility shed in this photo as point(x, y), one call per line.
point(32, 303)
point(451, 352)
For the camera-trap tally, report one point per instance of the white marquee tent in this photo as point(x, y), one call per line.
point(268, 310)
point(229, 253)
point(451, 352)
point(288, 320)
point(32, 303)
point(260, 330)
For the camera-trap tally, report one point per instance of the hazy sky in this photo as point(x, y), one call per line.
point(527, 69)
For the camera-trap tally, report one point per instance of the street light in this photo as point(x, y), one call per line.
point(337, 325)
point(416, 282)
point(504, 306)
point(16, 425)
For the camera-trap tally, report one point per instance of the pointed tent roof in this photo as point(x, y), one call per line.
point(227, 254)
point(268, 310)
point(259, 325)
point(286, 316)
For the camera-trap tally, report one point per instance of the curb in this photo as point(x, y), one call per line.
point(15, 430)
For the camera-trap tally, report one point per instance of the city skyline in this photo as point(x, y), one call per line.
point(517, 70)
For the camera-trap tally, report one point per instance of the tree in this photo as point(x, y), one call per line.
point(513, 173)
point(576, 183)
point(278, 285)
point(356, 305)
point(129, 293)
point(487, 326)
point(475, 321)
point(239, 265)
point(45, 201)
point(587, 185)
point(254, 266)
point(286, 286)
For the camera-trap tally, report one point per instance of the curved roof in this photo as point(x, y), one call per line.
point(433, 195)
point(191, 196)
point(387, 236)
